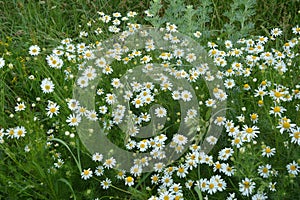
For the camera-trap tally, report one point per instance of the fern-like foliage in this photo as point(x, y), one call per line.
point(153, 14)
point(204, 13)
point(239, 16)
point(236, 20)
point(187, 18)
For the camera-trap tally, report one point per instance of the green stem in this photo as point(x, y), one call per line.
point(74, 157)
point(120, 189)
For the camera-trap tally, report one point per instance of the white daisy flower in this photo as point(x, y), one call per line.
point(293, 168)
point(109, 163)
point(47, 85)
point(160, 112)
point(97, 157)
point(52, 109)
point(246, 186)
point(2, 62)
point(186, 95)
point(20, 106)
point(129, 181)
point(34, 50)
point(19, 131)
point(86, 174)
point(73, 120)
point(106, 183)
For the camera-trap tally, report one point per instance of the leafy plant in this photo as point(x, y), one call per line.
point(239, 16)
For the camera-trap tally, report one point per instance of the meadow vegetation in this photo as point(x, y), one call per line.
point(48, 48)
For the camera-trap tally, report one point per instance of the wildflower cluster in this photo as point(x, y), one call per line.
point(150, 91)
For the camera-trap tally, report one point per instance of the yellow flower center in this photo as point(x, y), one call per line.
point(246, 184)
point(181, 170)
point(11, 132)
point(108, 162)
point(268, 150)
point(86, 172)
point(253, 116)
point(52, 110)
point(129, 179)
point(89, 75)
point(20, 132)
point(138, 101)
point(216, 90)
point(120, 173)
point(297, 135)
point(193, 157)
point(277, 94)
point(276, 109)
point(155, 178)
point(265, 170)
point(249, 130)
point(293, 167)
point(260, 102)
point(286, 125)
point(237, 140)
point(175, 189)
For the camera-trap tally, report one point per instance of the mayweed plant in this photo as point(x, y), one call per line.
point(128, 111)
